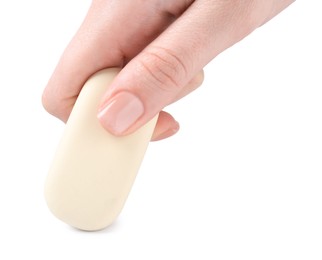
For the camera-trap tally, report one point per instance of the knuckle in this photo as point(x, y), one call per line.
point(45, 99)
point(240, 16)
point(54, 106)
point(164, 68)
point(250, 15)
point(200, 78)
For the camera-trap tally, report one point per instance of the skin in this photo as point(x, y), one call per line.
point(161, 46)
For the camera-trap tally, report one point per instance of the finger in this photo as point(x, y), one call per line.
point(159, 73)
point(110, 35)
point(166, 126)
point(79, 60)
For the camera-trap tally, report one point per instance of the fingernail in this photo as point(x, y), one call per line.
point(122, 111)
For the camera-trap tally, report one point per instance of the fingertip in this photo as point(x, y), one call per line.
point(166, 126)
point(168, 133)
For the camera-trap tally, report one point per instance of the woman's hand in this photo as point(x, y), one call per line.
point(162, 46)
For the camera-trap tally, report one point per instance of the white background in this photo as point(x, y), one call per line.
point(241, 180)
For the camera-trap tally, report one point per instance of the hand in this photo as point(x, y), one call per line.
point(162, 46)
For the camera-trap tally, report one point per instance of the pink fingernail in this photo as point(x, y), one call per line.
point(121, 112)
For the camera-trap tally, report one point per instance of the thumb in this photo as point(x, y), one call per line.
point(143, 88)
point(150, 81)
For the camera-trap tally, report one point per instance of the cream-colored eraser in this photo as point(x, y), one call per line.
point(93, 171)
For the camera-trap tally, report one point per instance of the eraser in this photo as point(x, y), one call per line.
point(93, 171)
